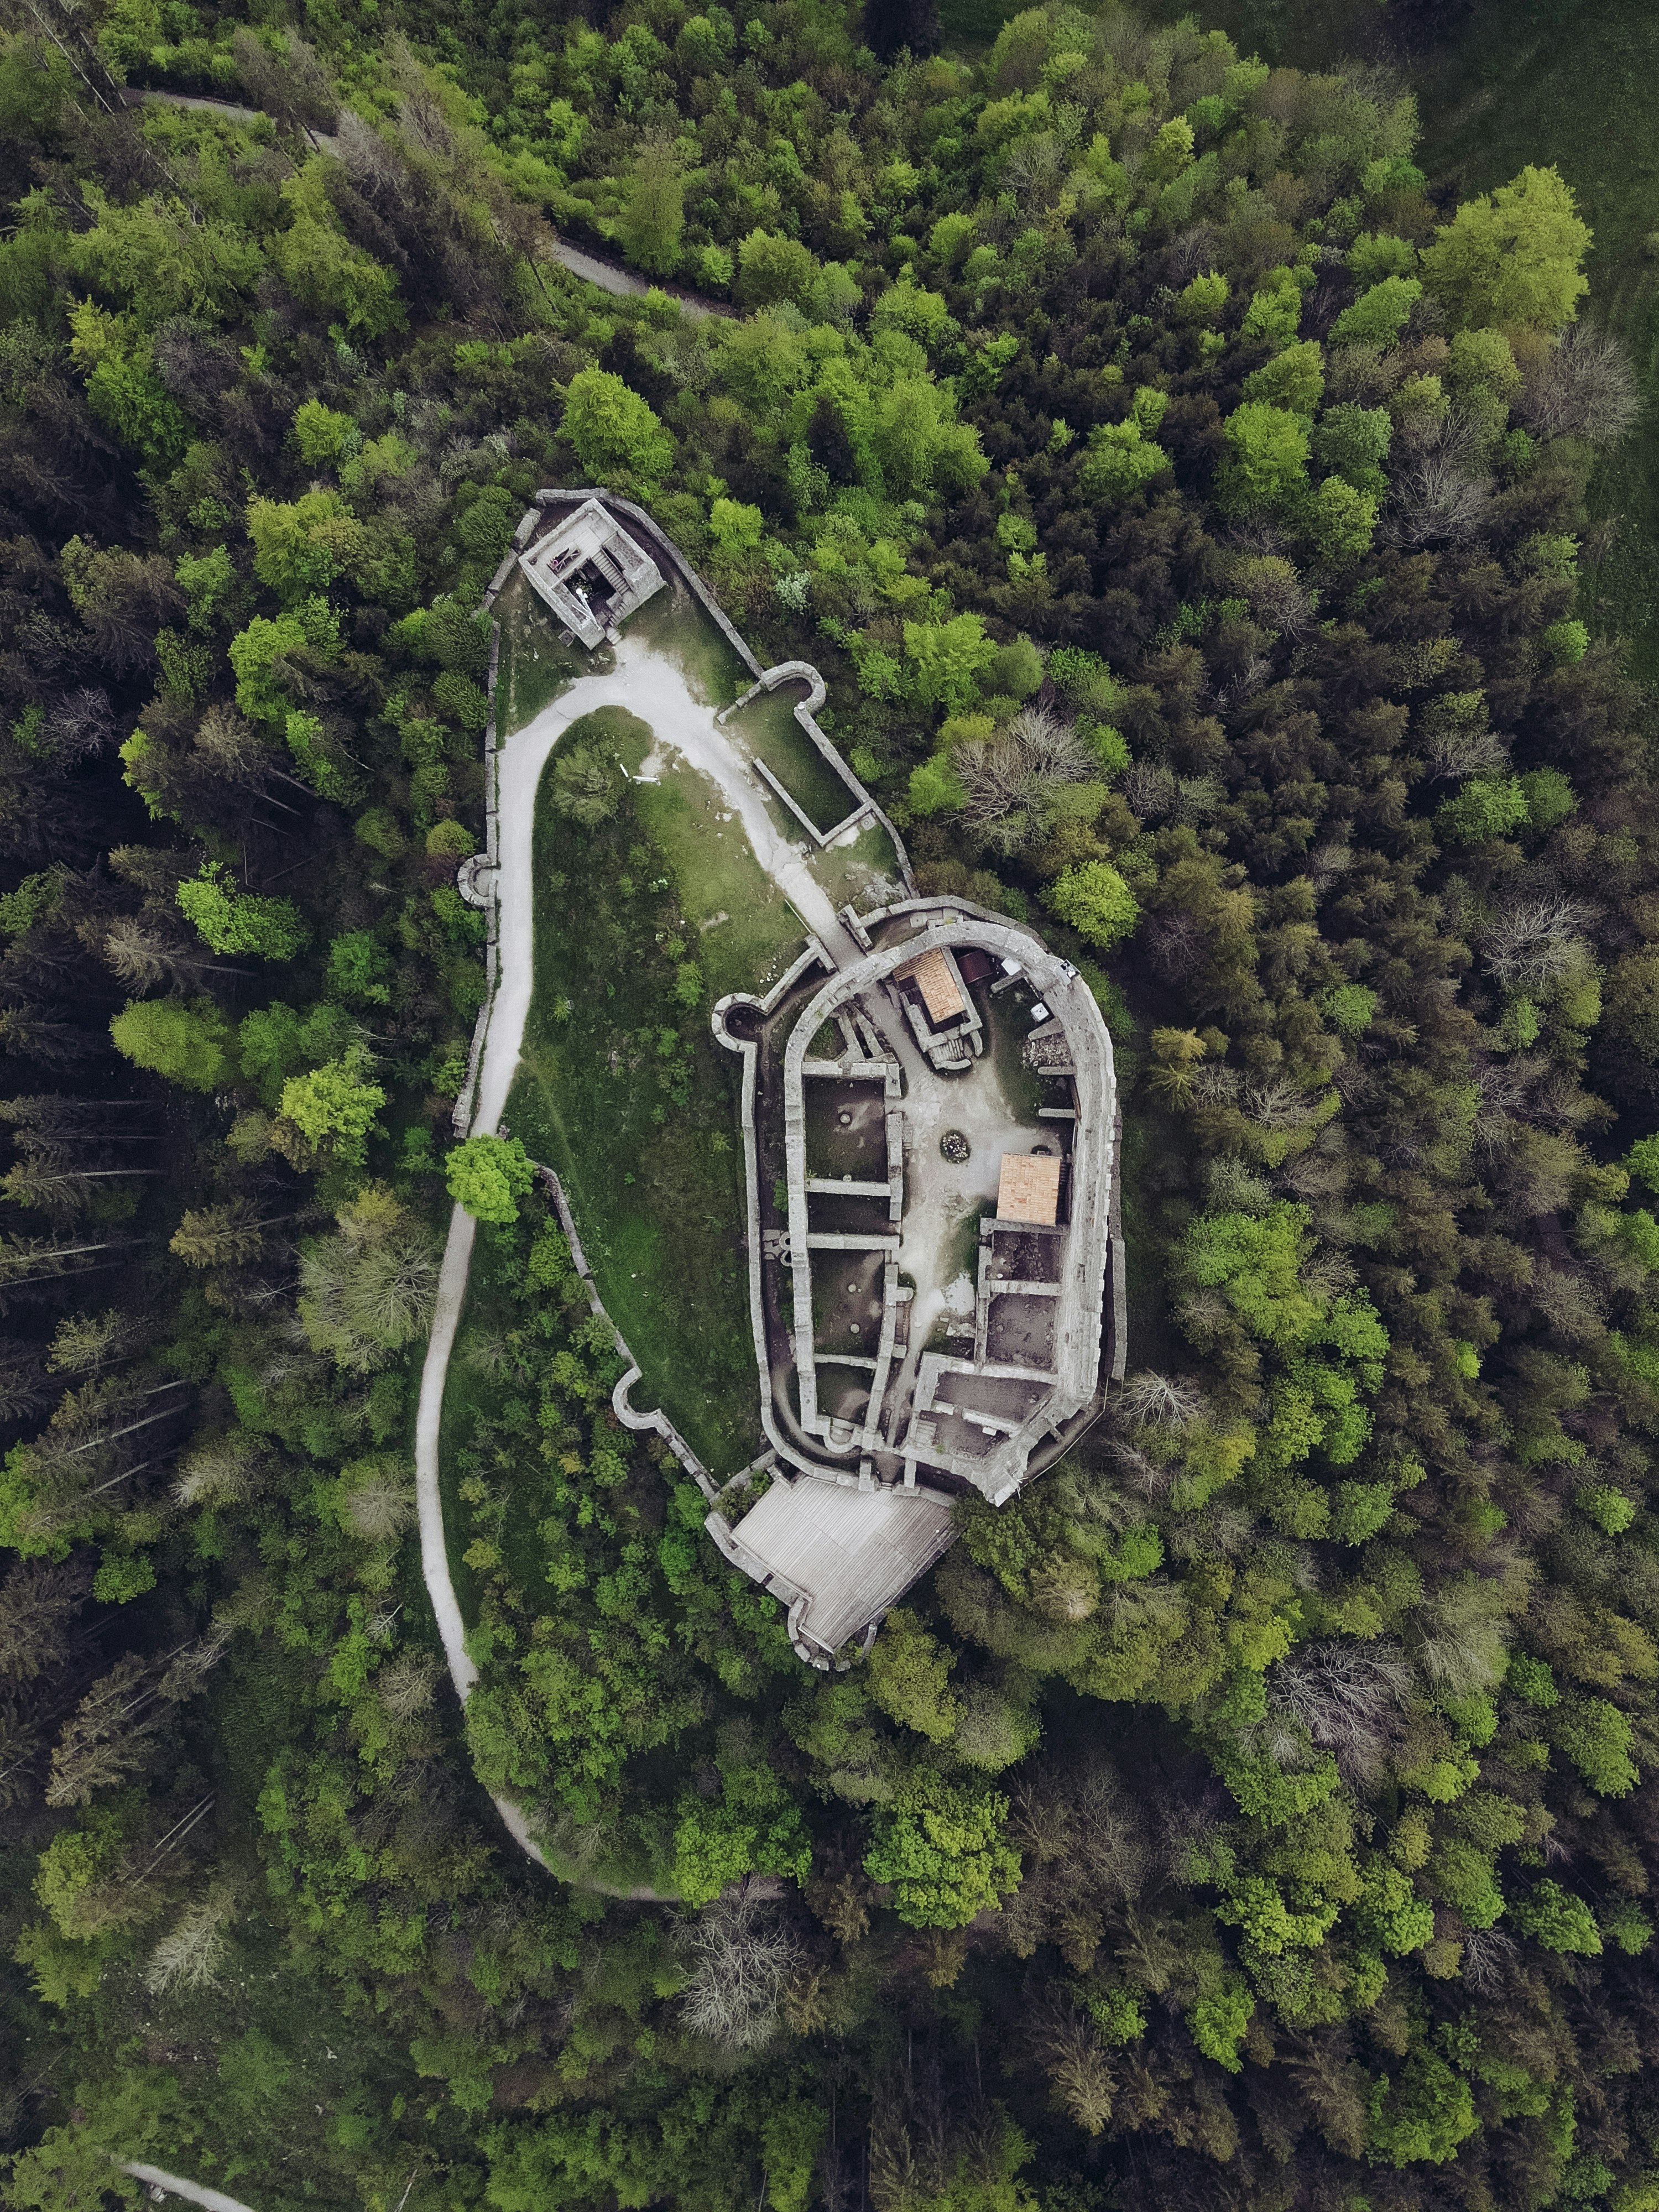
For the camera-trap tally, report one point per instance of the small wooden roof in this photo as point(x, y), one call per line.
point(930, 973)
point(1028, 1189)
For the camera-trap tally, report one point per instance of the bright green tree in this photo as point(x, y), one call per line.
point(617, 436)
point(1558, 1920)
point(941, 1845)
point(1119, 460)
point(276, 1042)
point(359, 969)
point(654, 215)
point(1353, 443)
point(1513, 256)
point(736, 528)
point(1294, 380)
point(1094, 901)
point(488, 1175)
point(237, 922)
point(1598, 1738)
point(949, 657)
point(1204, 298)
point(334, 1106)
point(935, 787)
point(190, 1043)
point(1379, 314)
point(1486, 806)
point(1339, 522)
point(1423, 2114)
point(1375, 255)
point(300, 546)
point(323, 435)
point(772, 268)
point(1266, 459)
point(909, 1677)
point(321, 267)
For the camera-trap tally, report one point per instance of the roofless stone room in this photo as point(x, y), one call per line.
point(930, 1123)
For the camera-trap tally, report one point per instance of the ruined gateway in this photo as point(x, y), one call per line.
point(930, 1131)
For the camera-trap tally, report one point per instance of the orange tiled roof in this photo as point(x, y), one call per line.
point(1028, 1189)
point(931, 972)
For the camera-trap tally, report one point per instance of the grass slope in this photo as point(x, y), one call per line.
point(624, 1091)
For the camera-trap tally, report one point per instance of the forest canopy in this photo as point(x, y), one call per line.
point(1185, 508)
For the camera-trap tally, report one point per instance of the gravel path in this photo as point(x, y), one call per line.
point(649, 684)
point(169, 2184)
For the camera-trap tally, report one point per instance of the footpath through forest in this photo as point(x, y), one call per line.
point(593, 268)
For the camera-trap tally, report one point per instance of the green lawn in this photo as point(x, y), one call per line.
point(624, 1092)
point(675, 624)
point(743, 930)
point(767, 730)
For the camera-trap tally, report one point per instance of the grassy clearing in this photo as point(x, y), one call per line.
point(767, 730)
point(744, 931)
point(716, 869)
point(674, 625)
point(1006, 1021)
point(861, 871)
point(624, 1091)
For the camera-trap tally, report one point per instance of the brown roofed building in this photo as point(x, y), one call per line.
point(1028, 1188)
point(931, 974)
